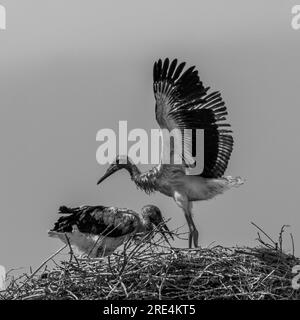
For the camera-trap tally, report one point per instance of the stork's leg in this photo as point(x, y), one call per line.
point(195, 233)
point(182, 202)
point(190, 227)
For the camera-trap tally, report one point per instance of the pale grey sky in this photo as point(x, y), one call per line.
point(69, 68)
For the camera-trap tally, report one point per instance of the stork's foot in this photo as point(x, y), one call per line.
point(190, 240)
point(193, 237)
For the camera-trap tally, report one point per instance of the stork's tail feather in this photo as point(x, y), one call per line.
point(234, 182)
point(65, 223)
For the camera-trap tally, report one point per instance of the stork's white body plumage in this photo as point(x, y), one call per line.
point(97, 231)
point(90, 245)
point(197, 188)
point(182, 102)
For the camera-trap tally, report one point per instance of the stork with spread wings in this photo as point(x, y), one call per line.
point(183, 104)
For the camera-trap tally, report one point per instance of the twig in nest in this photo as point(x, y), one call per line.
point(280, 235)
point(71, 251)
point(293, 245)
point(35, 272)
point(260, 229)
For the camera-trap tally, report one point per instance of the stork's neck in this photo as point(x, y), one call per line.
point(146, 181)
point(144, 225)
point(133, 170)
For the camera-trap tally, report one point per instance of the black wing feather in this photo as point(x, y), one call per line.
point(172, 69)
point(189, 104)
point(178, 71)
point(93, 220)
point(165, 69)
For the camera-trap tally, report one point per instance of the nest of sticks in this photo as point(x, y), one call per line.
point(155, 270)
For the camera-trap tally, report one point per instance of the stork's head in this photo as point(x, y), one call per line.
point(153, 217)
point(121, 162)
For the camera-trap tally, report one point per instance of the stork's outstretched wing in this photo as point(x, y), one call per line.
point(98, 220)
point(182, 102)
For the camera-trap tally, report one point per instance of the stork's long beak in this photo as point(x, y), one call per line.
point(167, 230)
point(109, 172)
point(164, 229)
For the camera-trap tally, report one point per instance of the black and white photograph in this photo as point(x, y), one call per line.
point(149, 153)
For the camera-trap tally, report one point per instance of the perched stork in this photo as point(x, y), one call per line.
point(182, 102)
point(97, 231)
